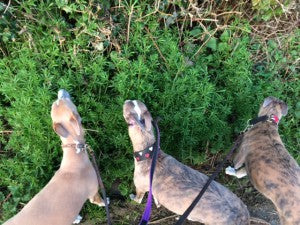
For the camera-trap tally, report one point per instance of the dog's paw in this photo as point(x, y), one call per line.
point(77, 220)
point(230, 171)
point(157, 203)
point(102, 204)
point(134, 198)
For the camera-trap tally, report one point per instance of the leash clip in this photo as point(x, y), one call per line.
point(273, 119)
point(80, 147)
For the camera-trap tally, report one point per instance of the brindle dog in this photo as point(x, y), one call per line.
point(175, 185)
point(270, 167)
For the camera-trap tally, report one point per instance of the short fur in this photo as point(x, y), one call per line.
point(175, 185)
point(270, 167)
point(60, 201)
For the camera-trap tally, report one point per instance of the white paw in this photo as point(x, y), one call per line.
point(77, 220)
point(157, 203)
point(132, 196)
point(103, 204)
point(230, 171)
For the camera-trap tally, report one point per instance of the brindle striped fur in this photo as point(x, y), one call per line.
point(270, 167)
point(175, 185)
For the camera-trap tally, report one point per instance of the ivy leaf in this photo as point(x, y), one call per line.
point(196, 32)
point(212, 44)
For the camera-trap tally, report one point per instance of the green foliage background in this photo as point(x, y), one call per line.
point(204, 100)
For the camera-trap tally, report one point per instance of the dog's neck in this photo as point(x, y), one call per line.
point(139, 144)
point(72, 159)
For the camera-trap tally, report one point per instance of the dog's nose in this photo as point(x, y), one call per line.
point(63, 94)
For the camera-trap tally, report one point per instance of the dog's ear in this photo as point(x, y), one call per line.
point(284, 108)
point(267, 101)
point(60, 130)
point(75, 123)
point(148, 121)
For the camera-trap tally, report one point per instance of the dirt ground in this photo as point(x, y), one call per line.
point(126, 212)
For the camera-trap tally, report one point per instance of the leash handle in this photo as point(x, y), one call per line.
point(100, 183)
point(184, 216)
point(147, 212)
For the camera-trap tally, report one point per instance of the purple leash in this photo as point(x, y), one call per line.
point(147, 212)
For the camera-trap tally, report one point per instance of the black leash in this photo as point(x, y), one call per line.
point(184, 216)
point(100, 183)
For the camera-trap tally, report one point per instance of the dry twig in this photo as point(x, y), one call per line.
point(8, 4)
point(163, 219)
point(6, 131)
point(129, 22)
point(7, 197)
point(156, 46)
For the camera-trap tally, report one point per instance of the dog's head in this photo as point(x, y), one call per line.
point(65, 118)
point(139, 121)
point(272, 105)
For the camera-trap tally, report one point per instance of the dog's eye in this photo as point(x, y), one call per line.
point(142, 121)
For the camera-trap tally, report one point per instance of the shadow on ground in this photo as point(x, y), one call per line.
point(129, 213)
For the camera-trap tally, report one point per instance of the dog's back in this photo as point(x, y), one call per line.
point(175, 186)
point(273, 171)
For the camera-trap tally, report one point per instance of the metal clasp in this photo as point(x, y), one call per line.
point(80, 147)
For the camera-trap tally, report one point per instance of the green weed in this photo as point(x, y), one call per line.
point(204, 93)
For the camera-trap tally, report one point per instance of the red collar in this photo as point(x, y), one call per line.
point(274, 118)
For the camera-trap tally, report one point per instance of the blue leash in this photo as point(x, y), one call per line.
point(147, 212)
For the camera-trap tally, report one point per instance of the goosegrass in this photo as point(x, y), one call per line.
point(205, 80)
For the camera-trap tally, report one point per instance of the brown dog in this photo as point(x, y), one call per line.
point(175, 185)
point(270, 167)
point(60, 201)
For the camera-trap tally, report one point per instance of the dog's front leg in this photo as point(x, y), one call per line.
point(239, 158)
point(138, 197)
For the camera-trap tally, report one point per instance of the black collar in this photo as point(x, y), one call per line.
point(144, 154)
point(272, 118)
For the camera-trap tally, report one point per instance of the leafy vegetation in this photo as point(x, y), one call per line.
point(204, 79)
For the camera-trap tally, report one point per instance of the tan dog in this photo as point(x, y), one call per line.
point(175, 185)
point(60, 201)
point(270, 167)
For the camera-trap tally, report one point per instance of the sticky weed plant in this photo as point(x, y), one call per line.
point(204, 97)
